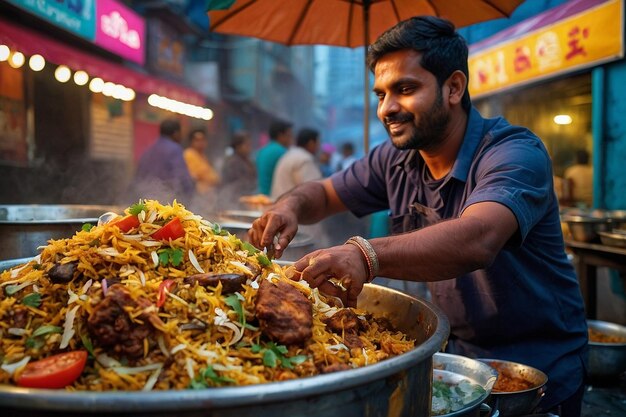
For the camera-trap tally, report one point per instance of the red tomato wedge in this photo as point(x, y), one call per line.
point(127, 223)
point(171, 230)
point(165, 285)
point(57, 371)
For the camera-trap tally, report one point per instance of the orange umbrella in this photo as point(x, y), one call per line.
point(348, 23)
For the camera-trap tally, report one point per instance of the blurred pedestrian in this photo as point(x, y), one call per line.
point(239, 176)
point(347, 156)
point(298, 164)
point(162, 173)
point(579, 179)
point(200, 168)
point(326, 155)
point(281, 136)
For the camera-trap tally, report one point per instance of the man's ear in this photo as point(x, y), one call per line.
point(456, 83)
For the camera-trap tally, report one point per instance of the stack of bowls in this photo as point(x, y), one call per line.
point(607, 349)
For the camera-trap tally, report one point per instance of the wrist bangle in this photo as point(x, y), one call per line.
point(371, 259)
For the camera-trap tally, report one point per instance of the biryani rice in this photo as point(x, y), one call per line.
point(178, 352)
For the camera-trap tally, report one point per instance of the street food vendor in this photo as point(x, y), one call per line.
point(473, 212)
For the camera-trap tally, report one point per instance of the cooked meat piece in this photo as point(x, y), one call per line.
point(285, 314)
point(344, 320)
point(352, 340)
point(384, 323)
point(110, 325)
point(62, 273)
point(230, 282)
point(19, 317)
point(335, 367)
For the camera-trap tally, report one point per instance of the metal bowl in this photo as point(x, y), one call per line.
point(585, 228)
point(454, 368)
point(518, 403)
point(615, 238)
point(399, 386)
point(23, 228)
point(606, 360)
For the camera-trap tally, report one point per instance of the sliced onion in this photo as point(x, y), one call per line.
point(178, 348)
point(152, 217)
point(142, 277)
point(338, 347)
point(73, 296)
point(189, 367)
point(108, 252)
point(142, 216)
point(105, 286)
point(86, 286)
point(68, 327)
point(10, 368)
point(133, 237)
point(107, 361)
point(162, 347)
point(152, 380)
point(126, 370)
point(241, 266)
point(194, 262)
point(16, 331)
point(155, 258)
point(222, 368)
point(254, 284)
point(150, 243)
point(16, 271)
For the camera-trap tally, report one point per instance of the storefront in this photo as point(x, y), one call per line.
point(68, 108)
point(544, 74)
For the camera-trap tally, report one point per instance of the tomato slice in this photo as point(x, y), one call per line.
point(127, 223)
point(56, 371)
point(166, 284)
point(171, 230)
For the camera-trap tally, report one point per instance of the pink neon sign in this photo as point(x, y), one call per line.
point(120, 30)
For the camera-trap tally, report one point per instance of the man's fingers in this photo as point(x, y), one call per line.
point(334, 291)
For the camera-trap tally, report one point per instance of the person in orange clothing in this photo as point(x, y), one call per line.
point(200, 169)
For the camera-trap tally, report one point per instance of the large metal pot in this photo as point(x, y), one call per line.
point(25, 227)
point(606, 360)
point(400, 386)
point(454, 368)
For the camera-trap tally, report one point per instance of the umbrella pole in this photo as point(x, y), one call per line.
point(366, 79)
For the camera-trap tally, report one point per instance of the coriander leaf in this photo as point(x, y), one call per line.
point(249, 247)
point(269, 358)
point(217, 229)
point(198, 383)
point(87, 343)
point(256, 348)
point(34, 343)
point(263, 259)
point(46, 329)
point(278, 348)
point(87, 227)
point(234, 302)
point(137, 208)
point(176, 256)
point(164, 257)
point(298, 359)
point(32, 300)
point(209, 373)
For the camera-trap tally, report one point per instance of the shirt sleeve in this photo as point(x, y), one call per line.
point(518, 174)
point(362, 187)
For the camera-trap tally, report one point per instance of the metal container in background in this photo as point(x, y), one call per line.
point(606, 360)
point(399, 386)
point(25, 227)
point(586, 228)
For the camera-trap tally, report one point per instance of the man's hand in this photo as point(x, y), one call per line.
point(279, 222)
point(345, 263)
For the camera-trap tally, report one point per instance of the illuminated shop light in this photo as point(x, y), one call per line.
point(81, 77)
point(17, 59)
point(179, 107)
point(129, 94)
point(96, 85)
point(108, 89)
point(4, 53)
point(118, 91)
point(36, 62)
point(563, 119)
point(62, 74)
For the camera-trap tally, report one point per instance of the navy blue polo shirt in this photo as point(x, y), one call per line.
point(526, 306)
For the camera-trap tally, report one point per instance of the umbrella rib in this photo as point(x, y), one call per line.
point(433, 7)
point(493, 6)
point(299, 21)
point(394, 6)
point(231, 13)
point(350, 17)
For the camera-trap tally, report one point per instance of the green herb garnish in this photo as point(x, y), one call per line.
point(274, 354)
point(172, 256)
point(46, 329)
point(137, 208)
point(263, 259)
point(32, 300)
point(247, 246)
point(206, 375)
point(87, 227)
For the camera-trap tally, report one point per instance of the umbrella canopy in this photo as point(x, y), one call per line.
point(349, 23)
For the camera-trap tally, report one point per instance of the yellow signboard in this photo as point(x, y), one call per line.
point(582, 40)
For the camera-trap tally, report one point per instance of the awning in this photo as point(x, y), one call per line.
point(30, 43)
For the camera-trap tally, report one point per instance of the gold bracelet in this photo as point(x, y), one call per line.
point(371, 259)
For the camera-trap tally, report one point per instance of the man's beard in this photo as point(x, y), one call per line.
point(429, 132)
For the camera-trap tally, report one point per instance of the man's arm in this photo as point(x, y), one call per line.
point(448, 249)
point(307, 203)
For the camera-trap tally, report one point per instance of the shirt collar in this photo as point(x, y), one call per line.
point(473, 136)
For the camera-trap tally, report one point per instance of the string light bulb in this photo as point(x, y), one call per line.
point(62, 74)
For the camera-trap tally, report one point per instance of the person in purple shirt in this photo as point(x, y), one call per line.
point(472, 207)
point(162, 173)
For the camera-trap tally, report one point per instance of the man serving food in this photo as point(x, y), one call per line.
point(473, 213)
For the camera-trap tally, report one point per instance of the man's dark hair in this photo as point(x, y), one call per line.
point(169, 127)
point(238, 139)
point(443, 49)
point(278, 127)
point(347, 147)
point(582, 157)
point(305, 136)
point(194, 131)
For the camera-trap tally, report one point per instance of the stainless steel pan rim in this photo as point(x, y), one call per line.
point(274, 392)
